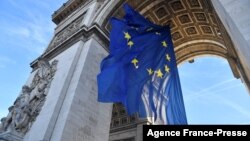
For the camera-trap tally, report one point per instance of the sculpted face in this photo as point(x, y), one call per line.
point(25, 89)
point(10, 108)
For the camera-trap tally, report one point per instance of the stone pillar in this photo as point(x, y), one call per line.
point(71, 111)
point(235, 18)
point(139, 131)
point(64, 95)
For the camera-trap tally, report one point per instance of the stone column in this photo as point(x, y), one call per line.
point(235, 18)
point(71, 111)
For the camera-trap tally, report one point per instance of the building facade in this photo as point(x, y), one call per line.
point(59, 100)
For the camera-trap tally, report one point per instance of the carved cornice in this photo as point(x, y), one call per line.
point(84, 33)
point(66, 33)
point(66, 9)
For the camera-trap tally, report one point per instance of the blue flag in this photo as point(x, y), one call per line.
point(141, 72)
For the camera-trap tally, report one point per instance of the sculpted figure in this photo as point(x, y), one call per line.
point(1, 124)
point(28, 105)
point(21, 113)
point(18, 114)
point(40, 80)
point(53, 68)
point(6, 121)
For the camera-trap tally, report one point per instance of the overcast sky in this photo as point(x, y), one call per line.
point(211, 94)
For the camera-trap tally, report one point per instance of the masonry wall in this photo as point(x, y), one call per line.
point(234, 15)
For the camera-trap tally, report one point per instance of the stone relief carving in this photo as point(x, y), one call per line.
point(29, 103)
point(66, 33)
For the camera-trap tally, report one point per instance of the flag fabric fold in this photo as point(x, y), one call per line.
point(141, 72)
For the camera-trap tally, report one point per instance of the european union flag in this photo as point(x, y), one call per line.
point(141, 71)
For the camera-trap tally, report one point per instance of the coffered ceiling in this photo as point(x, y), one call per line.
point(195, 27)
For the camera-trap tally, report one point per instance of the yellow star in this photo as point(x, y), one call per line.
point(127, 36)
point(150, 71)
point(167, 69)
point(130, 43)
point(135, 61)
point(164, 43)
point(159, 73)
point(168, 57)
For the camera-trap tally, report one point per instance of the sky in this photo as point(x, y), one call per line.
point(211, 94)
point(25, 31)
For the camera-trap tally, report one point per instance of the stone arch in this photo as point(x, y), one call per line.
point(190, 20)
point(195, 26)
point(71, 111)
point(189, 50)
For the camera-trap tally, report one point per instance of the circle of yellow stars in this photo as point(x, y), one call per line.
point(135, 61)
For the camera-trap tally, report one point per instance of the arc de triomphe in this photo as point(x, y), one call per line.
point(59, 100)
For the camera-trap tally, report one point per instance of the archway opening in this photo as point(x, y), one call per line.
point(211, 93)
point(196, 30)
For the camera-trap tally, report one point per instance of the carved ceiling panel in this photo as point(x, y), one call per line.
point(188, 19)
point(120, 117)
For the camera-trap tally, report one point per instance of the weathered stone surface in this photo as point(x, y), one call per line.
point(71, 111)
point(10, 136)
point(82, 117)
point(233, 15)
point(45, 122)
point(29, 103)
